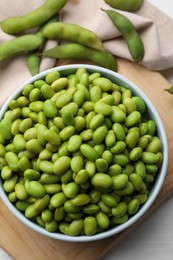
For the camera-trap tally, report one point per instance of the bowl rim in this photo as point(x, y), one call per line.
point(162, 173)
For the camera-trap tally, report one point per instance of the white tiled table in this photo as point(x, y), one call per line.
point(153, 239)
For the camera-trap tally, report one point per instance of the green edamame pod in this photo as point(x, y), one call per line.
point(79, 51)
point(73, 33)
point(131, 36)
point(37, 17)
point(18, 45)
point(125, 5)
point(33, 59)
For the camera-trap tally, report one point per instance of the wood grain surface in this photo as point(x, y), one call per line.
point(23, 243)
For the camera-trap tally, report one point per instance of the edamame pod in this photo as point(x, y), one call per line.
point(37, 17)
point(125, 5)
point(74, 33)
point(131, 36)
point(19, 45)
point(78, 51)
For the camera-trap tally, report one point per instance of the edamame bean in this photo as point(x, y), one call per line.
point(117, 115)
point(102, 108)
point(149, 157)
point(52, 188)
point(51, 226)
point(102, 220)
point(50, 109)
point(89, 152)
point(75, 227)
point(101, 165)
point(81, 177)
point(133, 206)
point(9, 184)
point(46, 166)
point(110, 138)
point(74, 143)
point(90, 225)
point(119, 210)
point(6, 172)
point(101, 180)
point(118, 147)
point(52, 76)
point(120, 159)
point(96, 121)
point(5, 128)
point(136, 180)
point(132, 119)
point(154, 146)
point(119, 181)
point(12, 160)
point(58, 199)
point(36, 189)
point(61, 165)
point(114, 169)
point(109, 200)
point(33, 146)
point(42, 203)
point(31, 174)
point(95, 93)
point(77, 163)
point(141, 107)
point(100, 134)
point(135, 154)
point(71, 190)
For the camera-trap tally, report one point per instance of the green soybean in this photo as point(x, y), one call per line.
point(36, 189)
point(75, 227)
point(133, 206)
point(101, 180)
point(50, 109)
point(120, 181)
point(74, 143)
point(61, 165)
point(90, 225)
point(102, 108)
point(120, 209)
point(89, 152)
point(102, 220)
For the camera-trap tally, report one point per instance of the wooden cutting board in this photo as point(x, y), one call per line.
point(22, 243)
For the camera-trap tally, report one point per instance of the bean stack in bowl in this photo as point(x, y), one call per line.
point(83, 153)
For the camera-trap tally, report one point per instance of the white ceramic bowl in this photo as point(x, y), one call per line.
point(121, 80)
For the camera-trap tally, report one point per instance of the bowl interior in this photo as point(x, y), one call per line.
point(120, 80)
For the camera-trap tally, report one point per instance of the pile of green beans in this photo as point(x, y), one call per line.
point(78, 153)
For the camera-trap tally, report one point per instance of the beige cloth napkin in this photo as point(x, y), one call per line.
point(155, 29)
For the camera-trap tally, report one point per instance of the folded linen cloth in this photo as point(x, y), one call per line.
point(154, 26)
